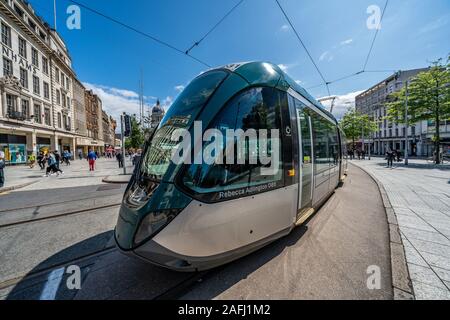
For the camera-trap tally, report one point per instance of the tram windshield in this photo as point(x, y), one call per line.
point(180, 115)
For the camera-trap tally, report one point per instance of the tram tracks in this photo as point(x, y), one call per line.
point(57, 215)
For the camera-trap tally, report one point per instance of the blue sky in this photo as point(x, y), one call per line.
point(108, 57)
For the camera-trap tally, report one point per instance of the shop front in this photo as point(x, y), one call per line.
point(14, 147)
point(43, 145)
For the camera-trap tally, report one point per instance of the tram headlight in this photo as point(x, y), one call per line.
point(154, 222)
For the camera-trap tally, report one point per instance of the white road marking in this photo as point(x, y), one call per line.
point(52, 284)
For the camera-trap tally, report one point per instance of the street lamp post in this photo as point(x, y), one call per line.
point(406, 124)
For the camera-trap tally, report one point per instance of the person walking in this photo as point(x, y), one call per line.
point(66, 157)
point(91, 158)
point(119, 158)
point(52, 165)
point(40, 160)
point(32, 160)
point(80, 155)
point(57, 158)
point(390, 158)
point(2, 167)
point(399, 155)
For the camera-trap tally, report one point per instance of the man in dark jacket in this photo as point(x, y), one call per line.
point(390, 158)
point(2, 166)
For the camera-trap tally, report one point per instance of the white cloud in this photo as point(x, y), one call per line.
point(284, 27)
point(326, 56)
point(179, 88)
point(299, 82)
point(435, 24)
point(346, 42)
point(342, 103)
point(283, 67)
point(116, 101)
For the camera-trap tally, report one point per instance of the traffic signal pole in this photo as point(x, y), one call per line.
point(122, 120)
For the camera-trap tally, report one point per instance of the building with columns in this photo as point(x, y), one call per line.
point(43, 106)
point(36, 93)
point(392, 135)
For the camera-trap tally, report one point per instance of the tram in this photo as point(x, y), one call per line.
point(194, 216)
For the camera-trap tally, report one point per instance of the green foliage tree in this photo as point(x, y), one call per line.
point(428, 99)
point(136, 138)
point(355, 125)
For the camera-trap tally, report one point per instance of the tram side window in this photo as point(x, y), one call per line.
point(256, 108)
point(321, 142)
point(333, 144)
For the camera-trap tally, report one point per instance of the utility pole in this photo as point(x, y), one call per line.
point(54, 13)
point(122, 131)
point(406, 123)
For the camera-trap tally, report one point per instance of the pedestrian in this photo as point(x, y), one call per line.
point(52, 165)
point(32, 160)
point(80, 155)
point(66, 157)
point(390, 158)
point(57, 158)
point(2, 167)
point(119, 158)
point(363, 154)
point(359, 154)
point(41, 160)
point(399, 155)
point(91, 158)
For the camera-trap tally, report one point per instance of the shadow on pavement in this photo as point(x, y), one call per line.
point(47, 281)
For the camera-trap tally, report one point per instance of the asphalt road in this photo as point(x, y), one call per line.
point(327, 258)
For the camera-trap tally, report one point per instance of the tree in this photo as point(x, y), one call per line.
point(355, 125)
point(136, 138)
point(428, 99)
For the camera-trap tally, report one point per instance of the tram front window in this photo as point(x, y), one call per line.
point(257, 108)
point(180, 115)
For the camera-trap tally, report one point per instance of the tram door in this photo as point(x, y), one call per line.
point(305, 160)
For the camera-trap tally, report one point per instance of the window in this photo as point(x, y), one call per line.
point(59, 120)
point(68, 84)
point(63, 77)
point(68, 102)
point(22, 47)
point(36, 85)
point(256, 108)
point(47, 116)
point(325, 142)
point(69, 124)
point(45, 65)
point(7, 67)
point(10, 103)
point(46, 90)
point(32, 24)
point(34, 57)
point(26, 108)
point(18, 10)
point(57, 75)
point(24, 78)
point(180, 115)
point(58, 97)
point(37, 113)
point(63, 98)
point(6, 35)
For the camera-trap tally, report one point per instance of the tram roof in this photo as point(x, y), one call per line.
point(259, 72)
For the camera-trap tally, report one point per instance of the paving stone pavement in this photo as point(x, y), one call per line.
point(420, 197)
